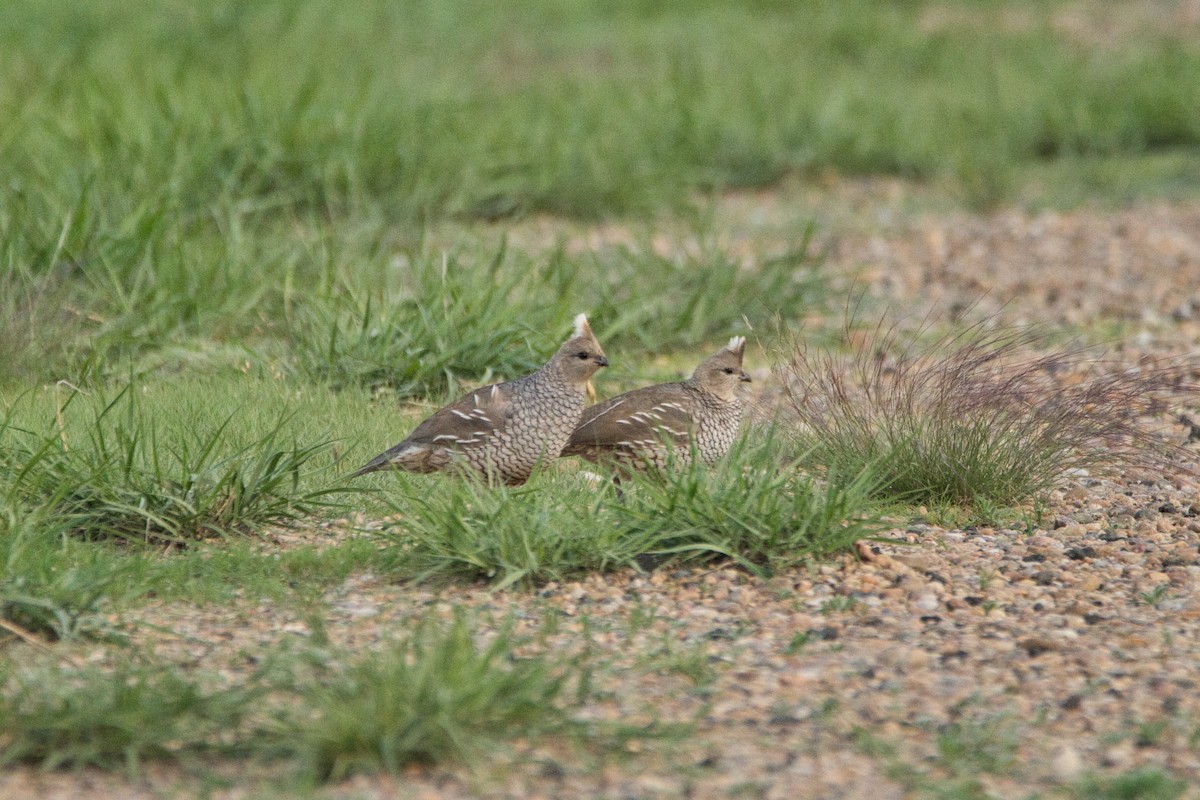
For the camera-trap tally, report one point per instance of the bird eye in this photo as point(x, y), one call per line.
point(582, 355)
point(727, 371)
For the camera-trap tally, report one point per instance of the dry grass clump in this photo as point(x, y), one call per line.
point(979, 415)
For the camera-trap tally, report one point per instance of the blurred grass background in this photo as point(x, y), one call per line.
point(182, 183)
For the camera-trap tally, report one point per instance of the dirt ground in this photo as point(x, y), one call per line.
point(1014, 662)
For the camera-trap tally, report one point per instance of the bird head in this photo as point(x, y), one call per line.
point(581, 355)
point(721, 374)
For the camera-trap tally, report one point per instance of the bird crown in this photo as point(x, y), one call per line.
point(737, 345)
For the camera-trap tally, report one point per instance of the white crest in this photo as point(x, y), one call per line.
point(581, 325)
point(737, 344)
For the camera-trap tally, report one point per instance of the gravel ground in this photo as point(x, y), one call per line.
point(1020, 661)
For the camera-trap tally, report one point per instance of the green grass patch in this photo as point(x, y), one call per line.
point(753, 509)
point(553, 526)
point(52, 586)
point(124, 472)
point(438, 695)
point(423, 323)
point(233, 571)
point(757, 509)
point(585, 111)
point(1142, 784)
point(116, 718)
point(160, 209)
point(713, 292)
point(99, 490)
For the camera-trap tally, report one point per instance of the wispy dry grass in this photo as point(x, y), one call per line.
point(987, 413)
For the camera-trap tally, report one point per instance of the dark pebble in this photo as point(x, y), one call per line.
point(717, 634)
point(1035, 647)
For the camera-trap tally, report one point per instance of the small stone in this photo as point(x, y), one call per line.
point(1035, 646)
point(926, 602)
point(1119, 755)
point(1045, 577)
point(1067, 763)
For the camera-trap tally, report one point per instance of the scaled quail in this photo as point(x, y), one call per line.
point(637, 428)
point(502, 431)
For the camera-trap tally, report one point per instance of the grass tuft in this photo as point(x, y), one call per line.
point(125, 477)
point(972, 417)
point(435, 696)
point(753, 509)
point(1147, 783)
point(421, 325)
point(551, 527)
point(713, 293)
point(90, 717)
point(49, 588)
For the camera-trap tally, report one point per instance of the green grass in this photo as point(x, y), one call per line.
point(753, 509)
point(712, 292)
point(433, 108)
point(551, 527)
point(125, 472)
point(115, 719)
point(420, 326)
point(1143, 784)
point(99, 491)
point(211, 187)
point(52, 586)
point(757, 509)
point(436, 696)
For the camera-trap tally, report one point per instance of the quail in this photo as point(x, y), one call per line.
point(504, 430)
point(637, 428)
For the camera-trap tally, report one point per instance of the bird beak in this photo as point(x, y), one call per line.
point(745, 378)
point(602, 361)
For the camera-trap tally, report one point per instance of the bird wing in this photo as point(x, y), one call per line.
point(640, 418)
point(469, 421)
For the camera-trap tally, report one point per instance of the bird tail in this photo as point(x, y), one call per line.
point(377, 463)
